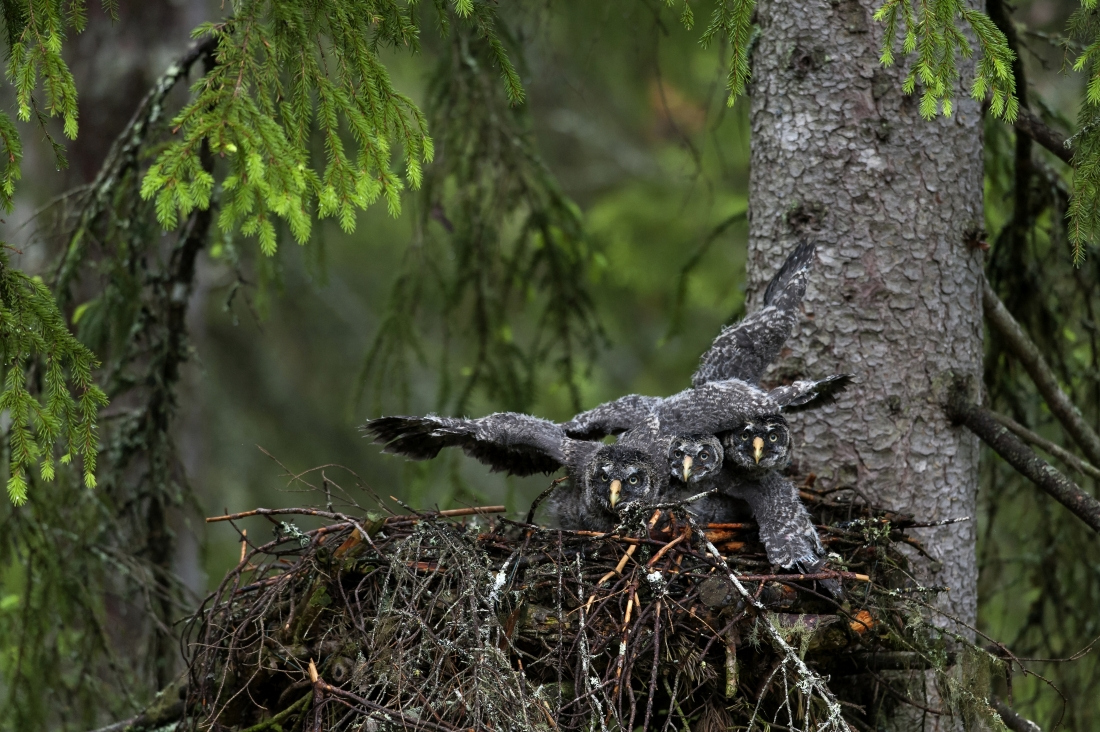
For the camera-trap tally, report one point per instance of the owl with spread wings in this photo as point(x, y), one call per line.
point(725, 402)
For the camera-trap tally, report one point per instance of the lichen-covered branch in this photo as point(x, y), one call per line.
point(981, 422)
point(1031, 358)
point(1044, 444)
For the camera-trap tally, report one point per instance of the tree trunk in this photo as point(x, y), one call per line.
point(842, 157)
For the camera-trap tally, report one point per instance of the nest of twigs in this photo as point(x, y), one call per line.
point(462, 620)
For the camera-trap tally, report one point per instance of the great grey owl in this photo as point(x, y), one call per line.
point(615, 477)
point(520, 444)
point(755, 447)
point(752, 458)
point(694, 458)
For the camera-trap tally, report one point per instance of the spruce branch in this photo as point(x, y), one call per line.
point(932, 31)
point(283, 69)
point(496, 241)
point(34, 34)
point(731, 19)
point(34, 336)
point(1084, 209)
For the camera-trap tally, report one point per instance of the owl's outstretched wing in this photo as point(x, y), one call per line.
point(509, 442)
point(613, 418)
point(714, 408)
point(804, 394)
point(744, 350)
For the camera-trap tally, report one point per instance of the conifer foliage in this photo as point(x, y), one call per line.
point(38, 347)
point(490, 206)
point(931, 31)
point(283, 66)
point(40, 355)
point(1084, 209)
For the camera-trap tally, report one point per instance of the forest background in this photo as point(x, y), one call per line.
point(289, 353)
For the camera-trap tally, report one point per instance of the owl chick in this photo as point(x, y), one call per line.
point(694, 458)
point(694, 464)
point(752, 459)
point(613, 479)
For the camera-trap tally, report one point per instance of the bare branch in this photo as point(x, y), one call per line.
point(1042, 443)
point(981, 422)
point(1012, 719)
point(1031, 358)
point(1028, 123)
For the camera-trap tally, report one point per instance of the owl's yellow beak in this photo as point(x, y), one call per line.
point(687, 467)
point(758, 448)
point(616, 489)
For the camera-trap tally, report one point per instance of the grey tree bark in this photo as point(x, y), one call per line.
point(841, 156)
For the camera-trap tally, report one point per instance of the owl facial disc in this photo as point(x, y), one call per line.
point(691, 459)
point(759, 445)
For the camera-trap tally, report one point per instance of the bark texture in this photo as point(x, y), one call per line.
point(894, 202)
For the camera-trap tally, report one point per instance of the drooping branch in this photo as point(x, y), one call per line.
point(1031, 358)
point(981, 422)
point(121, 159)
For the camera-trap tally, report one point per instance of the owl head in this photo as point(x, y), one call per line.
point(618, 475)
point(759, 445)
point(692, 459)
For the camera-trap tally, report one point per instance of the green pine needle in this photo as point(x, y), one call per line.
point(932, 32)
point(31, 327)
point(285, 68)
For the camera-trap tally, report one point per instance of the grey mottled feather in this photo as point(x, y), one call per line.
point(710, 408)
point(803, 394)
point(786, 528)
point(744, 350)
point(518, 444)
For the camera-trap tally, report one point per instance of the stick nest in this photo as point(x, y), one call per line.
point(423, 621)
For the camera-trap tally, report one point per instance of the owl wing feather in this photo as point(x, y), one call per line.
point(518, 444)
point(744, 350)
point(804, 394)
point(612, 418)
point(714, 408)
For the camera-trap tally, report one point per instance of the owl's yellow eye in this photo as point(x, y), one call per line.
point(679, 453)
point(704, 455)
point(746, 435)
point(633, 480)
point(774, 437)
